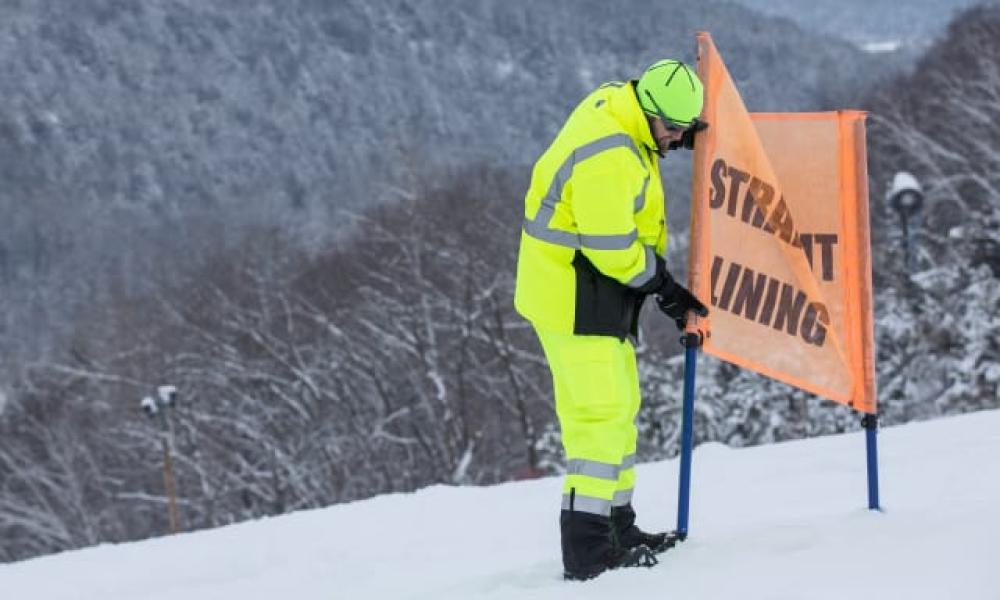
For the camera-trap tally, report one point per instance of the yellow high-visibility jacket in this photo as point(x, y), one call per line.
point(593, 219)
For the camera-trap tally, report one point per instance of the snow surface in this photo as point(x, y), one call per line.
point(780, 521)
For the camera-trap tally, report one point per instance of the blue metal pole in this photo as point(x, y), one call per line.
point(870, 423)
point(691, 343)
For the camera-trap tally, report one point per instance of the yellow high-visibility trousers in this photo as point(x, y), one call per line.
point(597, 397)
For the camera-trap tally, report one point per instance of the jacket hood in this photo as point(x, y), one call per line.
point(624, 107)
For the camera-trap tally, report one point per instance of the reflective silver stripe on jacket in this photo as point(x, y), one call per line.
point(552, 236)
point(628, 462)
point(622, 497)
point(648, 273)
point(539, 226)
point(565, 170)
point(640, 200)
point(614, 241)
point(588, 504)
point(592, 468)
point(610, 241)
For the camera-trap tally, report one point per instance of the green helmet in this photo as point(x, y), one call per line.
point(671, 90)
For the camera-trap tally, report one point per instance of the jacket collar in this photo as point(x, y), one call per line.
point(624, 107)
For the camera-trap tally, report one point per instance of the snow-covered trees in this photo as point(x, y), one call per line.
point(938, 322)
point(389, 363)
point(135, 137)
point(394, 360)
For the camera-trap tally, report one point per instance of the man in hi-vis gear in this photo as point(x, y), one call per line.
point(591, 251)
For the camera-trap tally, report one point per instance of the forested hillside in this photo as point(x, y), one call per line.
point(138, 139)
point(304, 216)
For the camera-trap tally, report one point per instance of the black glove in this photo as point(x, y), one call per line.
point(676, 304)
point(687, 138)
point(673, 298)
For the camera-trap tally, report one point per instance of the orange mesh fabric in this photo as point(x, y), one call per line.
point(780, 245)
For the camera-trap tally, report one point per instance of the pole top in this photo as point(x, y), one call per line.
point(692, 339)
point(693, 336)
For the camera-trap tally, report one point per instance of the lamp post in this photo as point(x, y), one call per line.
point(907, 198)
point(159, 408)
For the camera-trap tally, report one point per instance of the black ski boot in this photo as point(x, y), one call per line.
point(587, 547)
point(627, 535)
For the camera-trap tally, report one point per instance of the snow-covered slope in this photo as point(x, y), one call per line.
point(780, 521)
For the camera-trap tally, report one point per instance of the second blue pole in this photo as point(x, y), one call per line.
point(691, 342)
point(870, 423)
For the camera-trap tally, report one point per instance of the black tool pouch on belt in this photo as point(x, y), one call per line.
point(603, 305)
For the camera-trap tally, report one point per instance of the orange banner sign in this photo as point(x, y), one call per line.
point(780, 242)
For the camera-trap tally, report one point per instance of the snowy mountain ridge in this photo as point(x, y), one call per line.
point(779, 521)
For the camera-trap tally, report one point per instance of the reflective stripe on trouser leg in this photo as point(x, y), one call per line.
point(594, 405)
point(626, 475)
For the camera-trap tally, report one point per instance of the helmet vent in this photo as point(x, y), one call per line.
point(678, 66)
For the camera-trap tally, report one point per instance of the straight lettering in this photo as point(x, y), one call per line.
point(814, 324)
point(789, 310)
point(748, 296)
point(737, 178)
point(807, 246)
point(718, 191)
point(826, 242)
point(781, 220)
point(769, 300)
point(716, 267)
point(730, 285)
